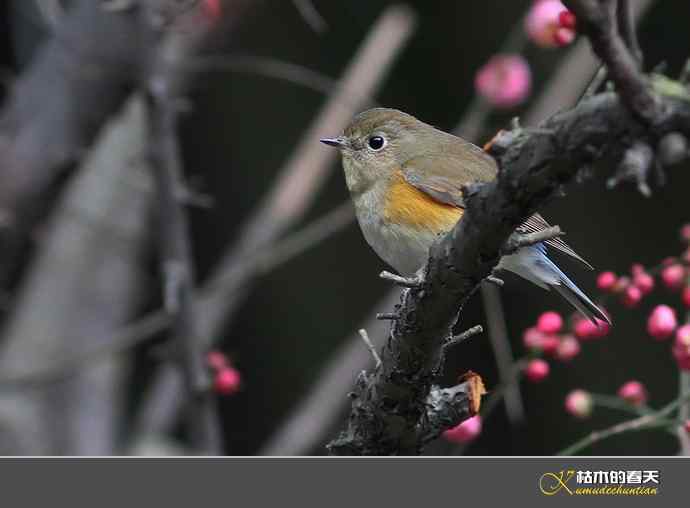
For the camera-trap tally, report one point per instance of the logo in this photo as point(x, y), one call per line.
point(600, 483)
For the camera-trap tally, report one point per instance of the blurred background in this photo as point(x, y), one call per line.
point(294, 321)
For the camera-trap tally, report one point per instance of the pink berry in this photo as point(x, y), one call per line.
point(637, 268)
point(567, 19)
point(537, 370)
point(606, 281)
point(504, 81)
point(216, 360)
point(532, 339)
point(662, 322)
point(633, 392)
point(644, 282)
point(673, 276)
point(621, 284)
point(632, 297)
point(681, 347)
point(227, 381)
point(685, 296)
point(686, 426)
point(685, 232)
point(550, 322)
point(568, 348)
point(585, 329)
point(466, 431)
point(563, 37)
point(543, 22)
point(549, 344)
point(579, 403)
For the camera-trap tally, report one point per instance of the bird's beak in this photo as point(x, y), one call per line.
point(338, 142)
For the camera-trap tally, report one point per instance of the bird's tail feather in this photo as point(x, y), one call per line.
point(575, 296)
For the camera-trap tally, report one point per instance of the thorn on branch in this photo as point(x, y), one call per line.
point(387, 316)
point(457, 339)
point(635, 167)
point(407, 282)
point(518, 240)
point(370, 346)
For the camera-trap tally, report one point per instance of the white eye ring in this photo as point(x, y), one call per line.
point(377, 142)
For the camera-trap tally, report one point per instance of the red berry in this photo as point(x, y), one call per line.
point(550, 322)
point(537, 370)
point(579, 403)
point(644, 282)
point(585, 329)
point(633, 392)
point(632, 296)
point(681, 347)
point(227, 381)
point(673, 276)
point(606, 281)
point(216, 360)
point(568, 348)
point(466, 431)
point(662, 322)
point(549, 344)
point(567, 19)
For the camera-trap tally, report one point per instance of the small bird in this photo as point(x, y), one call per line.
point(406, 177)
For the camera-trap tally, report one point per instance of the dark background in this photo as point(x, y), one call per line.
point(242, 129)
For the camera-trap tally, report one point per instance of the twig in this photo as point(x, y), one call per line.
point(407, 282)
point(164, 158)
point(492, 279)
point(652, 420)
point(387, 316)
point(370, 347)
point(500, 344)
point(520, 240)
point(462, 337)
point(599, 21)
point(310, 15)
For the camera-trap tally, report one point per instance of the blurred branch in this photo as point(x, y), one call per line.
point(310, 15)
point(294, 190)
point(85, 282)
point(684, 411)
point(387, 408)
point(177, 269)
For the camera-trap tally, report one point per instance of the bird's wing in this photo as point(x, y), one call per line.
point(440, 177)
point(537, 223)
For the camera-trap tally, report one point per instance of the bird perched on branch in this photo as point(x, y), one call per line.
point(406, 178)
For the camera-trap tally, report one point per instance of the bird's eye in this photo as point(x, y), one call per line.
point(377, 142)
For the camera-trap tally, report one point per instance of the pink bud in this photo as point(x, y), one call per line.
point(466, 431)
point(662, 322)
point(633, 392)
point(585, 329)
point(673, 276)
point(537, 370)
point(685, 296)
point(685, 232)
point(632, 297)
point(579, 403)
point(644, 282)
point(681, 347)
point(568, 348)
point(227, 381)
point(532, 339)
point(216, 360)
point(550, 322)
point(567, 19)
point(543, 23)
point(504, 81)
point(606, 281)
